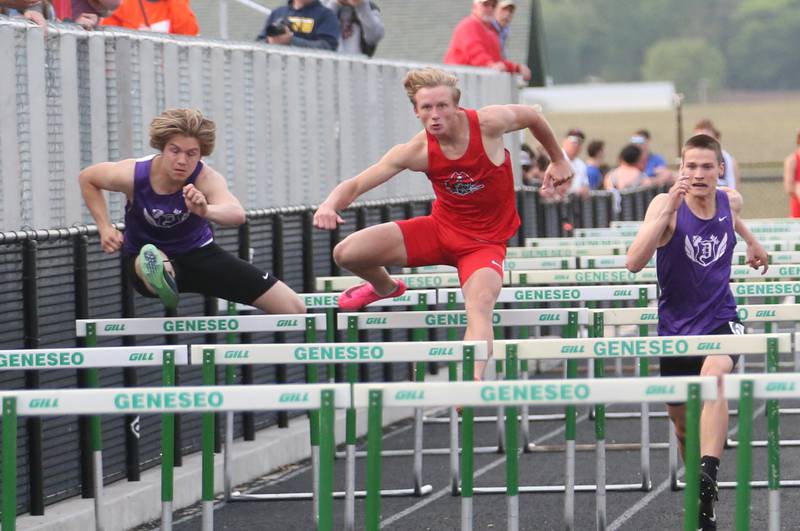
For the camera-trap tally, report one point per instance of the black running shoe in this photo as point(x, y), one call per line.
point(709, 493)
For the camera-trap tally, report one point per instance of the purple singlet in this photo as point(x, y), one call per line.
point(162, 220)
point(694, 270)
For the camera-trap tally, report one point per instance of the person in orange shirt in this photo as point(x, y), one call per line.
point(166, 16)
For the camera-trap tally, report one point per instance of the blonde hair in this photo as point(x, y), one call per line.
point(186, 122)
point(430, 78)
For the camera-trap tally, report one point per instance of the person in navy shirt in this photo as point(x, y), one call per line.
point(304, 23)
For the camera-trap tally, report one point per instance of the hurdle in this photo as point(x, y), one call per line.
point(600, 246)
point(602, 348)
point(169, 402)
point(230, 325)
point(513, 253)
point(509, 264)
point(352, 354)
point(786, 241)
point(93, 359)
point(631, 230)
point(436, 319)
point(510, 394)
point(560, 294)
point(413, 281)
point(611, 276)
point(618, 261)
point(329, 303)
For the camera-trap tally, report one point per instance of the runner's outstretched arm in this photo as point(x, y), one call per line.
point(111, 176)
point(497, 120)
point(397, 159)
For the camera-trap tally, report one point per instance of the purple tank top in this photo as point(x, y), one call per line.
point(162, 220)
point(694, 270)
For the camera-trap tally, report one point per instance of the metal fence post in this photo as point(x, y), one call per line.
point(30, 297)
point(131, 423)
point(248, 374)
point(277, 268)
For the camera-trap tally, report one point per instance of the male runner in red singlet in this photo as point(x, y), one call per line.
point(474, 215)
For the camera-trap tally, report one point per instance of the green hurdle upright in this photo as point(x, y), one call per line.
point(747, 388)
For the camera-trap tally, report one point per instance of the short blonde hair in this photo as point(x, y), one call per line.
point(430, 78)
point(186, 122)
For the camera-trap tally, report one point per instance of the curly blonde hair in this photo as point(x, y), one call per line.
point(429, 78)
point(186, 122)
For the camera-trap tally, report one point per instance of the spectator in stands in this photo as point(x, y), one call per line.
point(360, 24)
point(630, 172)
point(527, 159)
point(594, 163)
point(37, 11)
point(571, 145)
point(87, 13)
point(303, 23)
point(655, 164)
point(731, 177)
point(164, 16)
point(476, 43)
point(41, 11)
point(791, 179)
point(503, 15)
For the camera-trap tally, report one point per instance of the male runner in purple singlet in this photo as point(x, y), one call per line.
point(171, 198)
point(693, 230)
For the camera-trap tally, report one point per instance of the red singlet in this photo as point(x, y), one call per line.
point(475, 212)
point(473, 195)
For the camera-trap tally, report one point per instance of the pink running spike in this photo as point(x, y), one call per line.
point(359, 296)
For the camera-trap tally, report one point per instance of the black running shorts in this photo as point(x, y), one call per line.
point(211, 270)
point(691, 365)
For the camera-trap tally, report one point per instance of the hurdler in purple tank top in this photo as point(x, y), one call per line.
point(162, 220)
point(694, 271)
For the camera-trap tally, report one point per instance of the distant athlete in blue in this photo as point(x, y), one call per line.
point(172, 196)
point(693, 231)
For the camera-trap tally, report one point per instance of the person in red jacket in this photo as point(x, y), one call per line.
point(475, 42)
point(165, 16)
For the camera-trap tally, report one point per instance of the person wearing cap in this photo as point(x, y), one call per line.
point(571, 145)
point(475, 42)
point(503, 14)
point(655, 165)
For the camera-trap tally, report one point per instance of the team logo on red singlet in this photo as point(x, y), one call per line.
point(705, 252)
point(460, 183)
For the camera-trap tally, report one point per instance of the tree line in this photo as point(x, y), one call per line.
point(702, 46)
